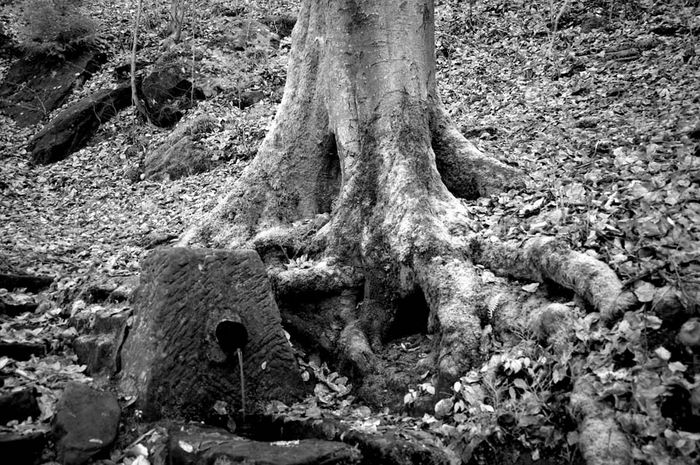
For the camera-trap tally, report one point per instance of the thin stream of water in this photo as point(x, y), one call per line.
point(240, 368)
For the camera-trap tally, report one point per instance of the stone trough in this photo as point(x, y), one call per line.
point(194, 309)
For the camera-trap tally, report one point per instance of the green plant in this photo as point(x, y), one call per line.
point(55, 27)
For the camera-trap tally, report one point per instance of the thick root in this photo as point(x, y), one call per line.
point(356, 350)
point(318, 277)
point(280, 243)
point(450, 287)
point(543, 258)
point(466, 171)
point(600, 438)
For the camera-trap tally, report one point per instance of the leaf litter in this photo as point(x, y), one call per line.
point(603, 116)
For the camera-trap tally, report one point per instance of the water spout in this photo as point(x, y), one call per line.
point(232, 336)
point(240, 368)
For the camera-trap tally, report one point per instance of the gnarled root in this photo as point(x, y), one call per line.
point(543, 258)
point(600, 438)
point(319, 303)
point(450, 287)
point(465, 170)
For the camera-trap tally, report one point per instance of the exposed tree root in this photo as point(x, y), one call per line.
point(318, 277)
point(600, 439)
point(466, 171)
point(544, 258)
point(450, 288)
point(363, 165)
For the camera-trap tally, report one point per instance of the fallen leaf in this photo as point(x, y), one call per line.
point(531, 287)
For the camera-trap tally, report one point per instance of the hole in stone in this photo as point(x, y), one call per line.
point(329, 177)
point(411, 316)
point(231, 336)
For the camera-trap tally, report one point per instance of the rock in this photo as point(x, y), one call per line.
point(85, 424)
point(156, 238)
point(98, 352)
point(7, 47)
point(111, 290)
point(22, 351)
point(669, 29)
point(591, 22)
point(19, 405)
point(31, 283)
point(123, 72)
point(193, 445)
point(182, 153)
point(391, 446)
point(188, 301)
point(36, 85)
point(166, 92)
point(282, 25)
point(73, 128)
point(248, 98)
point(689, 334)
point(24, 449)
point(103, 329)
point(250, 35)
point(11, 308)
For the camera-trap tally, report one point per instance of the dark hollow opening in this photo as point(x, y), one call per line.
point(231, 336)
point(459, 184)
point(329, 177)
point(411, 316)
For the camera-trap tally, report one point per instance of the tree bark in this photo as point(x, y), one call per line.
point(363, 149)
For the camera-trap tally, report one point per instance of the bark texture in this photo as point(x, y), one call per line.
point(363, 168)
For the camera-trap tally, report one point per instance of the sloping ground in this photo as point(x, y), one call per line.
point(601, 112)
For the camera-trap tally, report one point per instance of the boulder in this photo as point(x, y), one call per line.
point(182, 153)
point(167, 92)
point(85, 424)
point(36, 85)
point(193, 309)
point(73, 128)
point(19, 405)
point(193, 445)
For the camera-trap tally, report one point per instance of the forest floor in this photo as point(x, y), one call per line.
point(602, 113)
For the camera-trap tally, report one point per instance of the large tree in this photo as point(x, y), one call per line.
point(363, 171)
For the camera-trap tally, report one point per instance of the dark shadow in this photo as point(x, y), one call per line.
point(411, 316)
point(329, 177)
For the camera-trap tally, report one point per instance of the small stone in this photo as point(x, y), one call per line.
point(689, 334)
point(85, 424)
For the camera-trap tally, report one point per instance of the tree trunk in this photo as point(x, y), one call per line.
point(362, 146)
